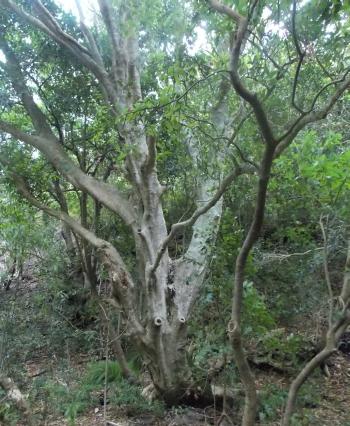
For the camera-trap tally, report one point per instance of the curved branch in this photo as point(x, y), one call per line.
point(55, 154)
point(240, 88)
point(312, 116)
point(226, 10)
point(295, 84)
point(87, 235)
point(50, 26)
point(122, 282)
point(17, 78)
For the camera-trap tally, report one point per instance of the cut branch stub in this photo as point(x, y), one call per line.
point(158, 321)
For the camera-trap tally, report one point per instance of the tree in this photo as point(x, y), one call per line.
point(147, 108)
point(158, 328)
point(274, 146)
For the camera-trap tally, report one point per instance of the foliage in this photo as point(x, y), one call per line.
point(8, 413)
point(182, 80)
point(273, 399)
point(81, 393)
point(257, 318)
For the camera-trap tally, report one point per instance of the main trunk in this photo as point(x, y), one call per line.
point(167, 363)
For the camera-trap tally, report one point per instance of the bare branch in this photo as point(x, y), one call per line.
point(89, 36)
point(177, 227)
point(345, 293)
point(14, 71)
point(240, 88)
point(58, 214)
point(301, 58)
point(271, 257)
point(226, 10)
point(122, 282)
point(312, 116)
point(151, 158)
point(49, 145)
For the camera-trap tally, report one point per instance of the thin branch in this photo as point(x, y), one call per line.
point(312, 116)
point(58, 214)
point(325, 87)
point(118, 56)
point(177, 98)
point(301, 58)
point(326, 270)
point(270, 257)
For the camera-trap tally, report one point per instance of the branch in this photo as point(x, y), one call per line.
point(331, 83)
point(271, 257)
point(301, 58)
point(345, 292)
point(225, 10)
point(55, 154)
point(243, 92)
point(178, 98)
point(326, 271)
point(177, 227)
point(151, 158)
point(50, 26)
point(14, 71)
point(122, 282)
point(311, 116)
point(15, 395)
point(58, 214)
point(89, 36)
point(118, 56)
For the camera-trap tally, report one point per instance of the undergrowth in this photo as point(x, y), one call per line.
point(81, 394)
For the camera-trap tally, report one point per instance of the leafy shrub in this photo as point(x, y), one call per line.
point(277, 341)
point(72, 400)
point(96, 373)
point(272, 401)
point(257, 318)
point(273, 398)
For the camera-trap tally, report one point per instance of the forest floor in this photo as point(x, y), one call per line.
point(328, 404)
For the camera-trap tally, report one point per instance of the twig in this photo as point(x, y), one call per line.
point(282, 256)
